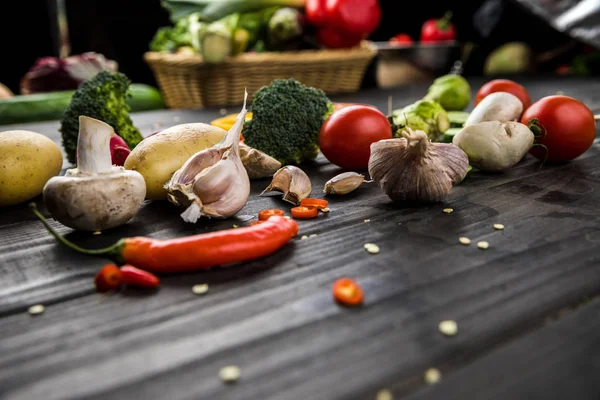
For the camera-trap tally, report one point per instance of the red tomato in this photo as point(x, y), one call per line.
point(401, 38)
point(316, 13)
point(504, 85)
point(357, 17)
point(438, 30)
point(569, 125)
point(346, 137)
point(333, 39)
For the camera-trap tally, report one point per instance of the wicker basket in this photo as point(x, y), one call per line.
point(186, 82)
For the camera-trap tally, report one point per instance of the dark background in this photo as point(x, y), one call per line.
point(122, 29)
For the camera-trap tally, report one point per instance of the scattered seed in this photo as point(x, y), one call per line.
point(447, 210)
point(312, 235)
point(200, 289)
point(36, 309)
point(287, 216)
point(498, 227)
point(384, 394)
point(372, 248)
point(235, 226)
point(483, 245)
point(230, 373)
point(304, 237)
point(432, 376)
point(448, 327)
point(222, 111)
point(464, 240)
point(97, 233)
point(367, 220)
point(325, 210)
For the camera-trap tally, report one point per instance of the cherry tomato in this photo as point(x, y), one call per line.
point(264, 215)
point(346, 137)
point(302, 212)
point(436, 30)
point(357, 17)
point(347, 292)
point(569, 125)
point(504, 85)
point(108, 278)
point(316, 203)
point(401, 38)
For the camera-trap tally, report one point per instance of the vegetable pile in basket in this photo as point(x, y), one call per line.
point(217, 29)
point(417, 153)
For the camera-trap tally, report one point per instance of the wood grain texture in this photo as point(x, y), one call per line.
point(275, 317)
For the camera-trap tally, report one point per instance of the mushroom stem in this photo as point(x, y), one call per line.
point(93, 146)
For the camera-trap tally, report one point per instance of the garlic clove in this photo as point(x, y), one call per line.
point(344, 183)
point(292, 182)
point(414, 169)
point(213, 182)
point(258, 164)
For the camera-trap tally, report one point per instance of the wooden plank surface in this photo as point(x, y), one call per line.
point(275, 318)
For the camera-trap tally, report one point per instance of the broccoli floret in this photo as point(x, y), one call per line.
point(102, 97)
point(286, 119)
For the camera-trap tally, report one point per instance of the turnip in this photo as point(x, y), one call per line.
point(499, 106)
point(493, 145)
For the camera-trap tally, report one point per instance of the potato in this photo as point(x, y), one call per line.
point(27, 161)
point(158, 156)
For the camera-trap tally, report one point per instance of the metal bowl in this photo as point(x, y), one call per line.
point(399, 64)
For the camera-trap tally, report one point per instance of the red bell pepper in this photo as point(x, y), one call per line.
point(438, 30)
point(343, 23)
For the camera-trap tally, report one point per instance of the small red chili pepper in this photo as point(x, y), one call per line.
point(192, 253)
point(347, 292)
point(316, 203)
point(264, 215)
point(302, 212)
point(133, 276)
point(108, 278)
point(401, 38)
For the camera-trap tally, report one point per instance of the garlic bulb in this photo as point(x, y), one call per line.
point(258, 164)
point(292, 182)
point(414, 169)
point(213, 182)
point(344, 183)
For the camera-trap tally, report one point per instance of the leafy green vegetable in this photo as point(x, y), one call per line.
point(427, 116)
point(453, 92)
point(213, 10)
point(103, 97)
point(186, 32)
point(286, 120)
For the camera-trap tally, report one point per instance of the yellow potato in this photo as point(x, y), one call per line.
point(158, 157)
point(27, 161)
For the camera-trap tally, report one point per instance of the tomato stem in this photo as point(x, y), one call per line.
point(111, 252)
point(538, 129)
point(444, 22)
point(546, 150)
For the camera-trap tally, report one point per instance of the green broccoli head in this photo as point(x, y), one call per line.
point(102, 97)
point(286, 120)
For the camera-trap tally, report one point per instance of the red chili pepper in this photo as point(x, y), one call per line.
point(108, 278)
point(348, 292)
point(264, 215)
point(316, 203)
point(133, 276)
point(438, 30)
point(401, 38)
point(196, 252)
point(302, 212)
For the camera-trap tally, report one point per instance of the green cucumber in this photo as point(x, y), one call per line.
point(449, 135)
point(457, 118)
point(51, 106)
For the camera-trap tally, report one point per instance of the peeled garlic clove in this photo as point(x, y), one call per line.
point(414, 169)
point(213, 182)
point(292, 182)
point(344, 183)
point(258, 164)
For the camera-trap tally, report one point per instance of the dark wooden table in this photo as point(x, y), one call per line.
point(528, 322)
